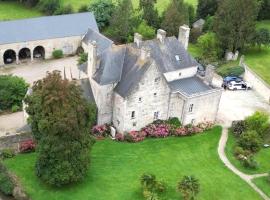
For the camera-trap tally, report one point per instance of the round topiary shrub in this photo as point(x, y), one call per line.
point(58, 53)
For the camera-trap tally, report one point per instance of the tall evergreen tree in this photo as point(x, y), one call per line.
point(235, 22)
point(60, 120)
point(121, 23)
point(206, 7)
point(149, 12)
point(174, 16)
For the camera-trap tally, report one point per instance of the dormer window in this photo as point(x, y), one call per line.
point(177, 58)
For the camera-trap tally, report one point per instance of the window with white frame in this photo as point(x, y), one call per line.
point(132, 114)
point(190, 109)
point(156, 115)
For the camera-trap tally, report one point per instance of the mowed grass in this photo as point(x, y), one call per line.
point(161, 4)
point(264, 184)
point(263, 24)
point(116, 169)
point(259, 61)
point(14, 10)
point(262, 158)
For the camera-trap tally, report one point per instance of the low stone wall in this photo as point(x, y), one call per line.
point(257, 83)
point(13, 141)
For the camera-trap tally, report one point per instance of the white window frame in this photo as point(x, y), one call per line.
point(191, 108)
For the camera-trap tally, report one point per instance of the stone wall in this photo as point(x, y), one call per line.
point(205, 107)
point(257, 83)
point(13, 141)
point(150, 95)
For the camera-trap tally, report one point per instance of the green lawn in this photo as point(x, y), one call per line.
point(117, 167)
point(264, 24)
point(263, 184)
point(259, 61)
point(161, 4)
point(13, 10)
point(262, 158)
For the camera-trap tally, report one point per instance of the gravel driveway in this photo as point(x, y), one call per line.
point(34, 71)
point(236, 105)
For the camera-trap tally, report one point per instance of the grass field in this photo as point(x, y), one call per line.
point(259, 61)
point(117, 167)
point(264, 24)
point(13, 10)
point(262, 158)
point(263, 184)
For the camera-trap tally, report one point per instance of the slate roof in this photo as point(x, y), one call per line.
point(102, 42)
point(46, 27)
point(110, 65)
point(133, 70)
point(164, 54)
point(189, 86)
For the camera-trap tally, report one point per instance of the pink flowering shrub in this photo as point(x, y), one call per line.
point(181, 132)
point(101, 130)
point(135, 136)
point(119, 137)
point(27, 146)
point(160, 130)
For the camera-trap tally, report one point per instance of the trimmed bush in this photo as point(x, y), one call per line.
point(6, 183)
point(174, 121)
point(135, 136)
point(230, 70)
point(7, 153)
point(58, 53)
point(238, 127)
point(12, 92)
point(251, 141)
point(49, 7)
point(66, 9)
point(258, 122)
point(250, 163)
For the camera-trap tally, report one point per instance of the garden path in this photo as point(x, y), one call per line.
point(228, 164)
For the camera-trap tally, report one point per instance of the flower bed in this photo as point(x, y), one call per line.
point(27, 146)
point(100, 131)
point(161, 129)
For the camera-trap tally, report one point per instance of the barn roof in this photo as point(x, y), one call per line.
point(49, 27)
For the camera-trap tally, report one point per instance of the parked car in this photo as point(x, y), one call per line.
point(234, 85)
point(228, 79)
point(201, 70)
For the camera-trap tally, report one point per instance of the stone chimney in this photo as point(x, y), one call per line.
point(92, 58)
point(138, 39)
point(161, 35)
point(183, 36)
point(145, 53)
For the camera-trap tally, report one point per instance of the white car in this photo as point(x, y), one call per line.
point(233, 85)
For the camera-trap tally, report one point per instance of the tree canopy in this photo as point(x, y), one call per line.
point(149, 12)
point(235, 22)
point(60, 118)
point(206, 7)
point(174, 16)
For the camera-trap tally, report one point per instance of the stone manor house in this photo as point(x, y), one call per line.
point(132, 84)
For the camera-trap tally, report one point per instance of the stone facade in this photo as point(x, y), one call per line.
point(151, 97)
point(69, 45)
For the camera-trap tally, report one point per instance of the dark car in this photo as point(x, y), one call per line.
point(228, 79)
point(201, 70)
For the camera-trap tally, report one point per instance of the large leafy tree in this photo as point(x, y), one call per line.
point(235, 22)
point(174, 16)
point(206, 7)
point(264, 10)
point(149, 12)
point(121, 22)
point(60, 118)
point(102, 10)
point(261, 37)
